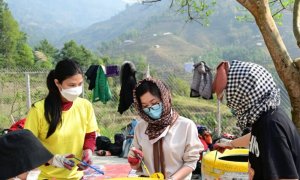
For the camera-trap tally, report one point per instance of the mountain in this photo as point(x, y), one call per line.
point(162, 34)
point(154, 30)
point(53, 19)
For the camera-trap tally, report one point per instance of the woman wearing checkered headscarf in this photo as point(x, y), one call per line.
point(250, 91)
point(274, 142)
point(167, 142)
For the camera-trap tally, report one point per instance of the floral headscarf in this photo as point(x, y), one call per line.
point(156, 127)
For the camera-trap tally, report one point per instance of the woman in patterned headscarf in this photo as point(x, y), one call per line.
point(167, 143)
point(252, 95)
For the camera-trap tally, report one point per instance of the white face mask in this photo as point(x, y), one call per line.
point(72, 93)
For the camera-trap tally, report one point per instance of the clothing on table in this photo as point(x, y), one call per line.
point(202, 81)
point(68, 138)
point(104, 144)
point(21, 151)
point(178, 151)
point(128, 82)
point(101, 92)
point(274, 147)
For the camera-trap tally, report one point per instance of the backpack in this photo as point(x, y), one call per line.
point(103, 143)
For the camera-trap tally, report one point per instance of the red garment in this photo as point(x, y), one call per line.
point(204, 144)
point(18, 125)
point(66, 105)
point(90, 141)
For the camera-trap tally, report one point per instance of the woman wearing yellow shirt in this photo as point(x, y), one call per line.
point(64, 122)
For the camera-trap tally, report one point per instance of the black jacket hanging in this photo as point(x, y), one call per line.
point(91, 75)
point(128, 83)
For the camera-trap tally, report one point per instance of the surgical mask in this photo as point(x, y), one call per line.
point(154, 111)
point(72, 93)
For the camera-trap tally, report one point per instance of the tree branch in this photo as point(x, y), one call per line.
point(149, 1)
point(296, 21)
point(247, 4)
point(278, 12)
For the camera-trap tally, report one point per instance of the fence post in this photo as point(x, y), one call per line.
point(219, 117)
point(28, 95)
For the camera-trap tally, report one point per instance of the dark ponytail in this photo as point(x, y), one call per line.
point(53, 102)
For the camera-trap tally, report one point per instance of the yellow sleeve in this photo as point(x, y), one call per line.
point(32, 121)
point(91, 120)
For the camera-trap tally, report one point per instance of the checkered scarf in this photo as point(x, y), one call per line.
point(250, 91)
point(169, 115)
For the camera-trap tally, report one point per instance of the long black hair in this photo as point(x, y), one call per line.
point(53, 102)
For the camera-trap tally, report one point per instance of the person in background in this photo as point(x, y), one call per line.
point(166, 142)
point(206, 139)
point(64, 122)
point(274, 142)
point(21, 151)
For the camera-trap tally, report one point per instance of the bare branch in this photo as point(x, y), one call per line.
point(189, 10)
point(272, 2)
point(150, 1)
point(282, 4)
point(278, 12)
point(172, 2)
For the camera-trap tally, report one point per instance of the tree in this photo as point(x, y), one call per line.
point(80, 53)
point(264, 16)
point(13, 47)
point(47, 49)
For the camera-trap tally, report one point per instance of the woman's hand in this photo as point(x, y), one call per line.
point(62, 161)
point(134, 157)
point(221, 147)
point(87, 158)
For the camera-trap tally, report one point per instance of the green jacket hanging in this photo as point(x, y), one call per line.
point(101, 91)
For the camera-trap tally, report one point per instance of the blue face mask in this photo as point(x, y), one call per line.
point(154, 111)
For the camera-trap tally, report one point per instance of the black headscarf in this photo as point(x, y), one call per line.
point(21, 151)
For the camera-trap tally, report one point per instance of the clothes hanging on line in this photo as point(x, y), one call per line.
point(101, 92)
point(128, 83)
point(112, 70)
point(98, 83)
point(91, 75)
point(202, 81)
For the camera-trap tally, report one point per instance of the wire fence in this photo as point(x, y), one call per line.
point(20, 88)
